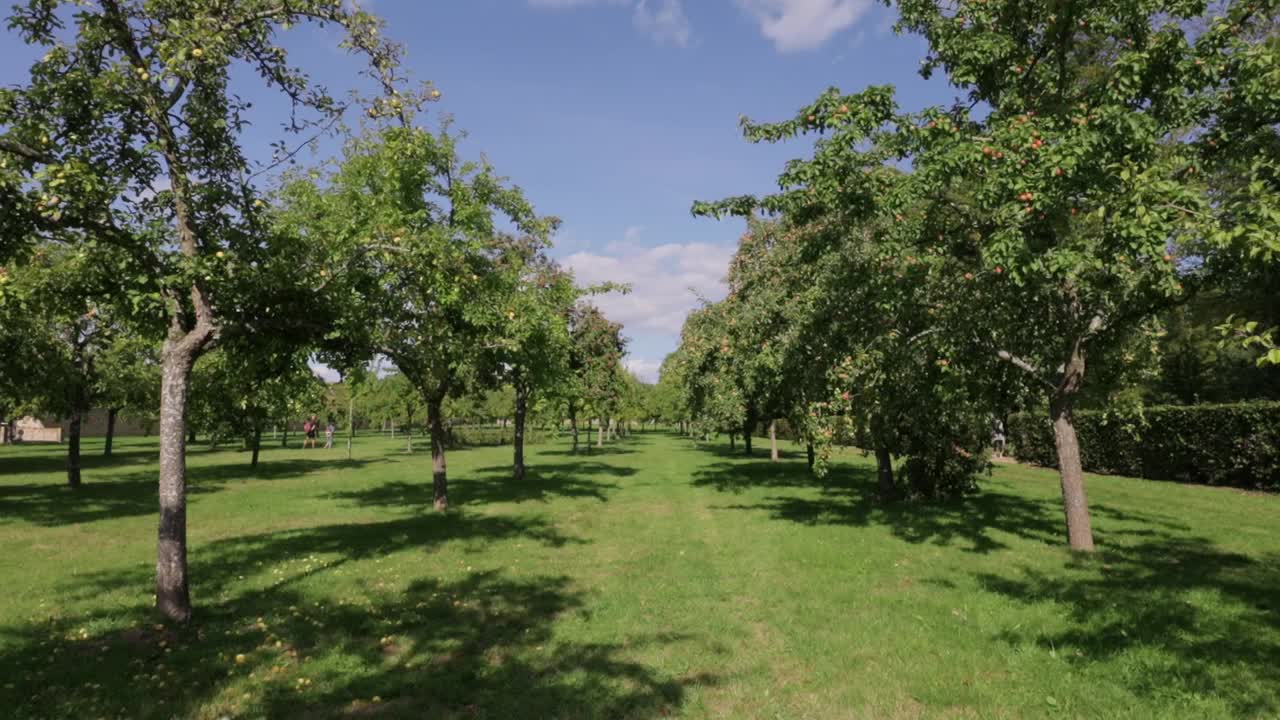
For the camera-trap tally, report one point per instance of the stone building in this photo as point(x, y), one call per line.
point(92, 424)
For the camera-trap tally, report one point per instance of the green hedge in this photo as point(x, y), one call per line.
point(1236, 445)
point(482, 436)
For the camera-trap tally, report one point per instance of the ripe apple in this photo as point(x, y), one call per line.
point(968, 276)
point(998, 269)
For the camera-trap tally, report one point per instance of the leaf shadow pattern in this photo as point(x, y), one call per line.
point(542, 483)
point(51, 504)
point(848, 496)
point(479, 645)
point(1178, 612)
point(52, 459)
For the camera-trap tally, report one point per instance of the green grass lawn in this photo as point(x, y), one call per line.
point(652, 579)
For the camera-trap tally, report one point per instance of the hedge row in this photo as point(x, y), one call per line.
point(1236, 445)
point(474, 436)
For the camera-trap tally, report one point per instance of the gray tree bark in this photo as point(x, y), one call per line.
point(884, 473)
point(522, 409)
point(439, 470)
point(73, 447)
point(173, 597)
point(1075, 504)
point(111, 431)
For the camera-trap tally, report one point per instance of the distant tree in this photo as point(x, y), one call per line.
point(410, 229)
point(59, 299)
point(128, 381)
point(595, 359)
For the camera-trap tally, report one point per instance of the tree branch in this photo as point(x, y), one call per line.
point(16, 148)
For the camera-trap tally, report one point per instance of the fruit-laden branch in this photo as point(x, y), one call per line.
point(1023, 365)
point(26, 151)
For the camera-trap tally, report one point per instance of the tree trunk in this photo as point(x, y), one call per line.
point(773, 441)
point(73, 447)
point(284, 435)
point(1075, 504)
point(257, 445)
point(573, 423)
point(733, 442)
point(884, 473)
point(351, 424)
point(439, 472)
point(746, 437)
point(810, 455)
point(522, 407)
point(173, 597)
point(111, 431)
point(600, 434)
point(191, 435)
point(408, 435)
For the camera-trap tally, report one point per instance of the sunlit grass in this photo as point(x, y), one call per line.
point(653, 579)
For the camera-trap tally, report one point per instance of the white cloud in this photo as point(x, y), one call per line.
point(666, 281)
point(561, 4)
point(665, 20)
point(790, 24)
point(803, 24)
point(644, 368)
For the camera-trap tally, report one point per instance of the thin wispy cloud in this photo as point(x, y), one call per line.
point(791, 25)
point(663, 20)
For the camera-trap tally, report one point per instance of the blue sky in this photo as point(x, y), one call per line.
point(616, 115)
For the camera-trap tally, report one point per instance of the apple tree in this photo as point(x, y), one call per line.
point(1067, 182)
point(410, 230)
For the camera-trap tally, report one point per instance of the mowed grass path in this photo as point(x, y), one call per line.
point(653, 579)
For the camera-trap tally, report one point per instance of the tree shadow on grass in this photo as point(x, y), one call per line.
point(52, 460)
point(495, 484)
point(1180, 614)
point(1172, 612)
point(848, 496)
point(479, 646)
point(131, 494)
point(586, 451)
